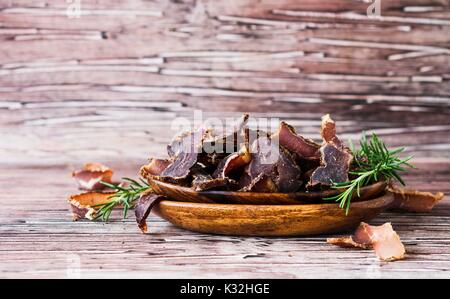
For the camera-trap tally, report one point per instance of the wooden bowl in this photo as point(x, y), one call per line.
point(269, 220)
point(185, 194)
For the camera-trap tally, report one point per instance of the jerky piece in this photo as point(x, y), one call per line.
point(413, 200)
point(203, 181)
point(179, 170)
point(233, 162)
point(328, 131)
point(154, 167)
point(383, 239)
point(289, 174)
point(83, 205)
point(178, 143)
point(335, 164)
point(187, 142)
point(143, 208)
point(186, 157)
point(91, 175)
point(303, 147)
point(219, 143)
point(272, 168)
point(231, 133)
point(262, 183)
point(211, 160)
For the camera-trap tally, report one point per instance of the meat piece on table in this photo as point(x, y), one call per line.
point(383, 239)
point(90, 177)
point(83, 206)
point(143, 208)
point(413, 200)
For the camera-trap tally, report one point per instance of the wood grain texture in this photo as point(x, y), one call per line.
point(270, 220)
point(105, 87)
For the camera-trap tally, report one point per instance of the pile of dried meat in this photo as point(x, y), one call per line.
point(242, 158)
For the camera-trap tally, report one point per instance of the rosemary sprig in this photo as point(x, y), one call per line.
point(124, 196)
point(373, 162)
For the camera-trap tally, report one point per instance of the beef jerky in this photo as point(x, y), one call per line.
point(178, 143)
point(413, 200)
point(91, 176)
point(272, 167)
point(188, 141)
point(186, 156)
point(295, 143)
point(328, 131)
point(211, 160)
point(261, 183)
point(231, 133)
point(203, 181)
point(335, 164)
point(83, 206)
point(143, 208)
point(383, 239)
point(154, 167)
point(233, 162)
point(227, 140)
point(179, 170)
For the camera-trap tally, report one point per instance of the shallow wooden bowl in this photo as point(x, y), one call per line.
point(185, 194)
point(269, 220)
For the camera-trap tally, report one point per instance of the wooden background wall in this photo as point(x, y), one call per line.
point(105, 86)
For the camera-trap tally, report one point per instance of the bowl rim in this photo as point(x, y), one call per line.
point(357, 204)
point(312, 194)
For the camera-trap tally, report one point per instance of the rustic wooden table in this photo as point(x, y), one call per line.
point(106, 86)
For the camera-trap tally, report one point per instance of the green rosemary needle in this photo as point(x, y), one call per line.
point(373, 162)
point(123, 196)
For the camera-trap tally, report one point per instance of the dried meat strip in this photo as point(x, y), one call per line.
point(154, 167)
point(186, 156)
point(203, 181)
point(261, 183)
point(233, 162)
point(272, 169)
point(335, 164)
point(228, 140)
point(91, 176)
point(383, 239)
point(231, 133)
point(413, 200)
point(328, 131)
point(305, 148)
point(179, 170)
point(143, 208)
point(220, 178)
point(83, 205)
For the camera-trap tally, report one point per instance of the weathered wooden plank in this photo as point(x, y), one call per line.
point(107, 86)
